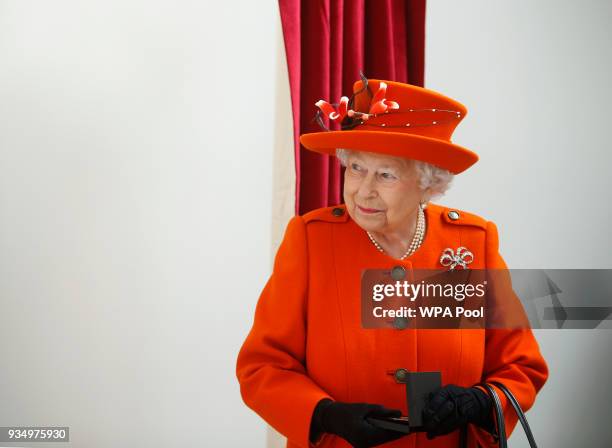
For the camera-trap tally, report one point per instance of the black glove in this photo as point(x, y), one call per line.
point(348, 420)
point(451, 407)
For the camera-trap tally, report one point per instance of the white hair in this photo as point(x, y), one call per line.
point(437, 179)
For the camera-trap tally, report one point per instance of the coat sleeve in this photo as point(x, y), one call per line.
point(271, 363)
point(512, 355)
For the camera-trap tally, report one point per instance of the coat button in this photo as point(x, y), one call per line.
point(400, 323)
point(337, 211)
point(454, 215)
point(401, 375)
point(398, 273)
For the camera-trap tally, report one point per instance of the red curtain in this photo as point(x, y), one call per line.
point(327, 43)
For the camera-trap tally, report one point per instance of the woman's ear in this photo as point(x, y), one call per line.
point(426, 195)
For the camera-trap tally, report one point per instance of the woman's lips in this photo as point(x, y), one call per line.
point(368, 210)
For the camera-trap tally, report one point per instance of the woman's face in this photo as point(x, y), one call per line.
point(381, 192)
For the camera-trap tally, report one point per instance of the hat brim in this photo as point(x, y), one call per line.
point(447, 155)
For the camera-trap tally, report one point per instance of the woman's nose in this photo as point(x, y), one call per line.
point(367, 187)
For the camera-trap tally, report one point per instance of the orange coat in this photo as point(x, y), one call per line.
point(307, 342)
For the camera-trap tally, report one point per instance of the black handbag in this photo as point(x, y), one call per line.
point(499, 417)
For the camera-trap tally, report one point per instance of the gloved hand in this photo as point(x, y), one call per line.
point(348, 420)
point(450, 407)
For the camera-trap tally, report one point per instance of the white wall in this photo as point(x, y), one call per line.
point(136, 145)
point(535, 77)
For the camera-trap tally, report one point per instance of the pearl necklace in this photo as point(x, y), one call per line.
point(417, 240)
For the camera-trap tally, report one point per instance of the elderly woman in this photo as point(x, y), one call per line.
point(308, 367)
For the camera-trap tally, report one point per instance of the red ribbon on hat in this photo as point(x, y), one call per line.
point(379, 104)
point(331, 112)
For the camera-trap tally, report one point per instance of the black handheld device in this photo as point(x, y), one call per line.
point(418, 387)
point(399, 424)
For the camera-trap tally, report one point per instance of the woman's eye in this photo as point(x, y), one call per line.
point(355, 167)
point(387, 176)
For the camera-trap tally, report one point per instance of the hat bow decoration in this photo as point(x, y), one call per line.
point(379, 105)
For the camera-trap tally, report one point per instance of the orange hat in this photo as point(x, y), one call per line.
point(397, 119)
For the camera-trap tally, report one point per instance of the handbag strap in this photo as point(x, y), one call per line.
point(499, 416)
point(500, 423)
point(519, 412)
